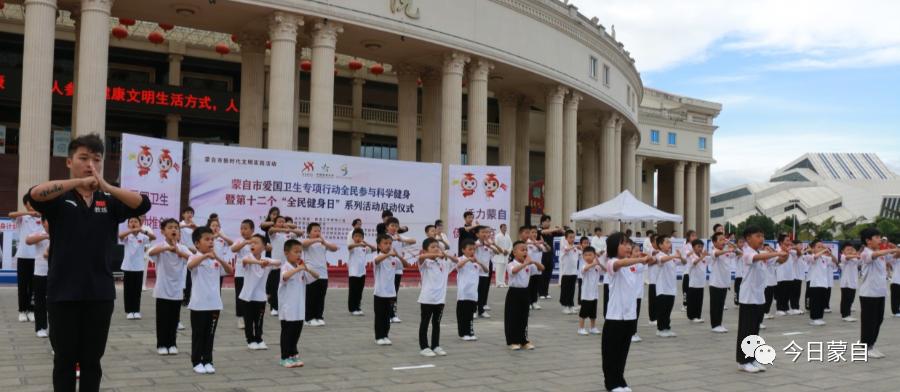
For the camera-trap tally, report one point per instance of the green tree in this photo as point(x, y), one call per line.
point(768, 226)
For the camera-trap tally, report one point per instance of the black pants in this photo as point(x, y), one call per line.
point(694, 303)
point(605, 299)
point(716, 305)
point(578, 293)
point(239, 304)
point(546, 275)
point(828, 295)
point(806, 297)
point(664, 305)
point(685, 287)
point(393, 310)
point(24, 277)
point(290, 337)
point(383, 316)
point(533, 282)
point(464, 324)
point(484, 284)
point(749, 318)
point(615, 343)
point(354, 294)
point(895, 297)
point(588, 309)
point(431, 313)
point(816, 302)
point(315, 299)
point(39, 284)
point(737, 289)
point(871, 314)
point(783, 295)
point(168, 314)
point(651, 302)
point(637, 315)
point(203, 334)
point(567, 290)
point(78, 335)
point(515, 315)
point(847, 297)
point(769, 294)
point(186, 299)
point(272, 288)
point(131, 290)
point(796, 287)
point(254, 314)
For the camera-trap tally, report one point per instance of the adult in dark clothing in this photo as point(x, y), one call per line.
point(381, 228)
point(467, 232)
point(546, 234)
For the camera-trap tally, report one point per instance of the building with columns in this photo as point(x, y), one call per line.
point(548, 92)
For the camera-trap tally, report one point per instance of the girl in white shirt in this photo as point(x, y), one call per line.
point(467, 274)
point(283, 230)
point(170, 258)
point(589, 292)
point(241, 250)
point(849, 279)
point(41, 242)
point(206, 299)
point(186, 227)
point(256, 274)
point(720, 264)
point(135, 241)
point(818, 260)
point(435, 266)
point(696, 281)
point(295, 276)
point(314, 253)
point(536, 248)
point(872, 287)
point(666, 281)
point(515, 315)
point(568, 272)
point(385, 264)
point(356, 270)
point(27, 223)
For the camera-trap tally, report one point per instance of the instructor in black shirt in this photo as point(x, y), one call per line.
point(83, 213)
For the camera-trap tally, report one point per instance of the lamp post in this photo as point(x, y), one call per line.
point(794, 204)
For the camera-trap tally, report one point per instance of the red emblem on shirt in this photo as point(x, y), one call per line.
point(100, 203)
point(633, 269)
point(215, 264)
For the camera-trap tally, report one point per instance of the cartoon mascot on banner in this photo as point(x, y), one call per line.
point(144, 161)
point(468, 184)
point(491, 184)
point(166, 163)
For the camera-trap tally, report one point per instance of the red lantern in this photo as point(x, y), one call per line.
point(306, 65)
point(376, 69)
point(419, 81)
point(156, 37)
point(127, 21)
point(222, 49)
point(234, 38)
point(354, 65)
point(166, 26)
point(2, 4)
point(269, 45)
point(120, 32)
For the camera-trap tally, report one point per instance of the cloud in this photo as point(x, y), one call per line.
point(867, 59)
point(722, 79)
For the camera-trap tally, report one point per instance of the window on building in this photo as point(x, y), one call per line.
point(673, 140)
point(654, 136)
point(606, 75)
point(592, 67)
point(206, 81)
point(128, 73)
point(378, 151)
point(701, 143)
point(628, 93)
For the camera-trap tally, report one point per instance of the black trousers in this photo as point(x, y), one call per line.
point(716, 305)
point(796, 287)
point(567, 290)
point(187, 291)
point(254, 314)
point(547, 274)
point(685, 286)
point(431, 313)
point(664, 305)
point(615, 343)
point(871, 315)
point(769, 294)
point(637, 315)
point(816, 302)
point(783, 295)
point(484, 284)
point(578, 293)
point(806, 296)
point(315, 299)
point(168, 314)
point(605, 299)
point(847, 297)
point(393, 310)
point(651, 302)
point(515, 315)
point(354, 294)
point(464, 312)
point(737, 289)
point(272, 288)
point(39, 284)
point(239, 304)
point(828, 295)
point(131, 290)
point(290, 337)
point(24, 277)
point(533, 282)
point(78, 334)
point(203, 334)
point(383, 316)
point(694, 302)
point(588, 309)
point(749, 318)
point(895, 297)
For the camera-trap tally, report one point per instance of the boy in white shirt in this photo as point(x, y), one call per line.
point(467, 276)
point(784, 274)
point(583, 244)
point(283, 230)
point(27, 223)
point(314, 253)
point(485, 250)
point(435, 266)
point(295, 276)
point(385, 264)
point(686, 251)
point(186, 227)
point(535, 249)
point(256, 274)
point(696, 281)
point(518, 297)
point(872, 287)
point(170, 258)
point(135, 241)
point(589, 291)
point(502, 240)
point(241, 249)
point(398, 242)
point(568, 272)
point(356, 271)
point(206, 298)
point(41, 242)
point(849, 279)
point(818, 260)
point(666, 283)
point(720, 262)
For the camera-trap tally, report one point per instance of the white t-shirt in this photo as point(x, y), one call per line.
point(292, 294)
point(599, 244)
point(205, 293)
point(785, 271)
point(895, 264)
point(241, 254)
point(568, 260)
point(356, 263)
point(186, 233)
point(384, 277)
point(434, 274)
point(314, 256)
point(518, 279)
point(753, 286)
point(850, 273)
point(535, 254)
point(697, 270)
point(623, 284)
point(398, 246)
point(720, 268)
point(504, 243)
point(874, 274)
point(26, 225)
point(40, 262)
point(589, 284)
point(467, 281)
point(255, 277)
point(483, 255)
point(666, 276)
point(223, 250)
point(771, 267)
point(818, 270)
point(278, 239)
point(170, 270)
point(134, 245)
point(686, 251)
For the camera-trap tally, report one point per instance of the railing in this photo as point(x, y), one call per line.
point(663, 114)
point(379, 115)
point(343, 111)
point(388, 117)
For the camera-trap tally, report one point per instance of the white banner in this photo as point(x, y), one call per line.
point(484, 190)
point(244, 183)
point(153, 167)
point(8, 242)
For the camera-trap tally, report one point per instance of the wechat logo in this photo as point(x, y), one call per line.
point(755, 346)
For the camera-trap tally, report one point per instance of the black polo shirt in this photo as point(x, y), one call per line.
point(464, 235)
point(81, 238)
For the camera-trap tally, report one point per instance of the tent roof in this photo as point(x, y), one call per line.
point(624, 207)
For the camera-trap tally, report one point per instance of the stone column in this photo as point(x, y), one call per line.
point(93, 67)
point(553, 154)
point(628, 162)
point(295, 124)
point(76, 17)
point(690, 214)
point(570, 157)
point(172, 126)
point(172, 120)
point(253, 85)
point(476, 144)
point(431, 115)
point(37, 98)
point(678, 197)
point(617, 161)
point(703, 200)
point(523, 158)
point(607, 157)
point(451, 119)
point(358, 124)
point(639, 178)
point(507, 145)
point(321, 92)
point(591, 171)
point(407, 111)
point(356, 144)
point(283, 72)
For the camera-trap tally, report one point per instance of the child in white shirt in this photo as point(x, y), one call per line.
point(283, 230)
point(467, 271)
point(206, 298)
point(41, 242)
point(435, 266)
point(518, 298)
point(385, 264)
point(590, 290)
point(135, 241)
point(872, 287)
point(170, 258)
point(314, 254)
point(295, 276)
point(241, 249)
point(568, 273)
point(356, 270)
point(849, 279)
point(256, 273)
point(398, 243)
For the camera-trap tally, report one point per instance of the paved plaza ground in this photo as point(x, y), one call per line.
point(343, 356)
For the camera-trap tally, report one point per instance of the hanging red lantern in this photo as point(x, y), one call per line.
point(222, 49)
point(269, 45)
point(234, 38)
point(2, 4)
point(156, 37)
point(354, 64)
point(376, 69)
point(120, 32)
point(166, 26)
point(419, 82)
point(127, 21)
point(306, 65)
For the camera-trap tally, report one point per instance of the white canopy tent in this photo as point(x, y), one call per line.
point(626, 208)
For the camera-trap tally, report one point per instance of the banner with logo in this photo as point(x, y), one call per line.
point(153, 167)
point(9, 238)
point(484, 190)
point(241, 183)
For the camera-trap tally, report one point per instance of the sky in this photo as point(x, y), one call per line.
point(793, 76)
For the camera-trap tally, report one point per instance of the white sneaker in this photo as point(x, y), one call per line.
point(162, 351)
point(748, 367)
point(321, 322)
point(547, 296)
point(314, 323)
point(200, 369)
point(874, 353)
point(661, 334)
point(240, 324)
point(357, 313)
point(485, 315)
point(635, 338)
point(542, 297)
point(849, 319)
point(697, 320)
point(619, 389)
point(396, 319)
point(439, 351)
point(173, 350)
point(426, 352)
point(487, 307)
point(817, 322)
point(209, 368)
point(768, 316)
point(725, 307)
point(582, 332)
point(652, 323)
point(42, 333)
point(827, 310)
point(759, 366)
point(794, 312)
point(180, 326)
point(274, 312)
point(683, 308)
point(253, 346)
point(23, 317)
point(129, 316)
point(388, 341)
point(537, 306)
point(719, 329)
point(380, 342)
point(137, 316)
point(262, 346)
point(531, 306)
point(671, 334)
point(565, 310)
point(595, 331)
point(762, 326)
point(896, 314)
point(781, 313)
point(30, 316)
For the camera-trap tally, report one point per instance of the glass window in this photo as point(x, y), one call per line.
point(701, 143)
point(592, 70)
point(672, 139)
point(606, 75)
point(654, 137)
